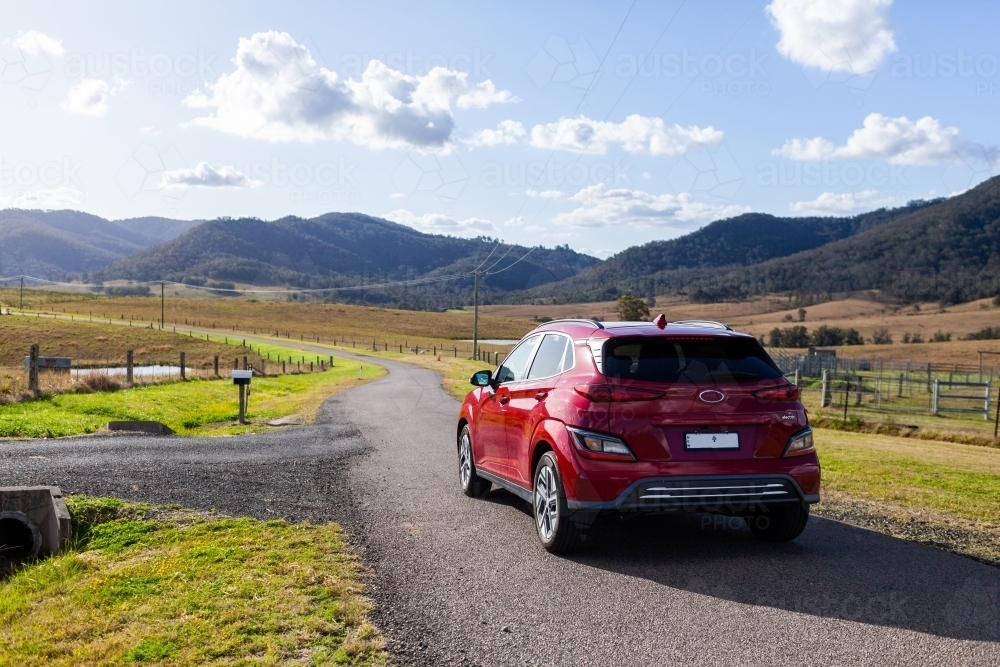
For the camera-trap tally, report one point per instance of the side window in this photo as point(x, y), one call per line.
point(516, 363)
point(549, 360)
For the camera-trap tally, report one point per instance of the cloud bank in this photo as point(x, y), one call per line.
point(279, 93)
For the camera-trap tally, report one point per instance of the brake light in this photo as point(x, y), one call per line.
point(603, 393)
point(788, 392)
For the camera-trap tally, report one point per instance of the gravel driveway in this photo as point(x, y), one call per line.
point(462, 581)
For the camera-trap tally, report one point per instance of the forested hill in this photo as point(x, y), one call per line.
point(948, 251)
point(666, 266)
point(342, 249)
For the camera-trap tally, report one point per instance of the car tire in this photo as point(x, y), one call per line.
point(473, 485)
point(557, 530)
point(781, 524)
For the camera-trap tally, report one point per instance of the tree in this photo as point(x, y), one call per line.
point(802, 314)
point(881, 337)
point(631, 309)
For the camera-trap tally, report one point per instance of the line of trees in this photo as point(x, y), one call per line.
point(821, 336)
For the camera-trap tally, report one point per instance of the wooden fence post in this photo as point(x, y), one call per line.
point(129, 365)
point(216, 365)
point(183, 370)
point(33, 369)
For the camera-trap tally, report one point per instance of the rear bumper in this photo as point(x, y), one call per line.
point(724, 494)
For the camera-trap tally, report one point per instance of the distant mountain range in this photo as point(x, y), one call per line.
point(945, 249)
point(343, 250)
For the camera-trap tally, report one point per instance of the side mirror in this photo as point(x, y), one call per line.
point(481, 379)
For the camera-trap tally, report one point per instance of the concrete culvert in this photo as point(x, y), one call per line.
point(20, 539)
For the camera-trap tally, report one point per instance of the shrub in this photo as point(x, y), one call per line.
point(986, 333)
point(127, 290)
point(881, 337)
point(833, 336)
point(940, 337)
point(99, 382)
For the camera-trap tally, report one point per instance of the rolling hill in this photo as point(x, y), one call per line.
point(58, 244)
point(669, 266)
point(947, 251)
point(342, 250)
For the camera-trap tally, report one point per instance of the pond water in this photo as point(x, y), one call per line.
point(137, 371)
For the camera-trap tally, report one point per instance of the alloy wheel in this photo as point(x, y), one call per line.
point(546, 503)
point(465, 460)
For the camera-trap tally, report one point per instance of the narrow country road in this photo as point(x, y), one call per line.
point(462, 581)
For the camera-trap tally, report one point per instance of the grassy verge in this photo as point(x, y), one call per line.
point(144, 585)
point(945, 494)
point(196, 407)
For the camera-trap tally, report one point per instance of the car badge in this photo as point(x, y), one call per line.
point(711, 396)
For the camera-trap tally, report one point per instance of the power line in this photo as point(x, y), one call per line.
point(401, 283)
point(591, 138)
point(665, 111)
point(579, 104)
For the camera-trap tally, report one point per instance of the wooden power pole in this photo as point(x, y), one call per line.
point(161, 304)
point(475, 316)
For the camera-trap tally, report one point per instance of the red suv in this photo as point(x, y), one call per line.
point(584, 417)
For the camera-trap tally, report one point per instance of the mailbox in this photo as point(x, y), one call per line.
point(242, 377)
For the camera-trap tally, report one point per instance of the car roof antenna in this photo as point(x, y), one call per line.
point(661, 321)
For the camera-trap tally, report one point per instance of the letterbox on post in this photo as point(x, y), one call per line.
point(242, 379)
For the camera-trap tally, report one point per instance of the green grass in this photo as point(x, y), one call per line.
point(954, 479)
point(196, 407)
point(145, 585)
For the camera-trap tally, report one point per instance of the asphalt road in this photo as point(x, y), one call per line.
point(462, 581)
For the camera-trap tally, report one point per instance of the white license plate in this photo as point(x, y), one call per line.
point(712, 441)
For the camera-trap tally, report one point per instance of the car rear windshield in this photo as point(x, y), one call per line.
point(715, 360)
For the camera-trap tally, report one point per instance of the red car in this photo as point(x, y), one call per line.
point(584, 417)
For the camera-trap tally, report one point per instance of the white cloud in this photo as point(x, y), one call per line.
point(89, 97)
point(603, 207)
point(636, 133)
point(483, 94)
point(436, 223)
point(33, 43)
point(546, 194)
point(840, 203)
point(207, 176)
point(507, 132)
point(834, 35)
point(149, 130)
point(47, 198)
point(279, 93)
point(897, 140)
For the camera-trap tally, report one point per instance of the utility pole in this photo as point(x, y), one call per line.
point(161, 304)
point(22, 293)
point(475, 316)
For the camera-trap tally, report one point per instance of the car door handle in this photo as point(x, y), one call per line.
point(504, 399)
point(541, 395)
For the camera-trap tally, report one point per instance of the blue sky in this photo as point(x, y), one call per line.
point(498, 119)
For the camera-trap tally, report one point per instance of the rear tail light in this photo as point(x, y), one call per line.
point(599, 446)
point(788, 392)
point(800, 443)
point(605, 393)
